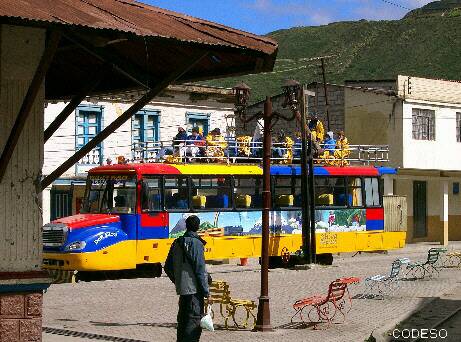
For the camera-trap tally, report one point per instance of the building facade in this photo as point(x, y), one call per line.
point(136, 140)
point(421, 123)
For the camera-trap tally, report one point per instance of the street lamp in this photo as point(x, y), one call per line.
point(242, 95)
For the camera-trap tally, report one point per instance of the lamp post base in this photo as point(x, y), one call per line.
point(263, 319)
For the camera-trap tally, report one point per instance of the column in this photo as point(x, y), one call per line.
point(444, 212)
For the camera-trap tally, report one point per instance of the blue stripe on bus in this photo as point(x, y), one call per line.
point(280, 170)
point(160, 232)
point(384, 170)
point(375, 224)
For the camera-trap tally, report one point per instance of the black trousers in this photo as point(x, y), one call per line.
point(191, 309)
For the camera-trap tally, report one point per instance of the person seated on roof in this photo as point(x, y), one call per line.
point(316, 128)
point(342, 149)
point(215, 144)
point(329, 147)
point(174, 150)
point(195, 143)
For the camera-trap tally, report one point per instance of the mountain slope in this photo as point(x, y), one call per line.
point(418, 45)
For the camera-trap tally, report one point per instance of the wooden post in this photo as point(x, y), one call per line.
point(137, 106)
point(34, 87)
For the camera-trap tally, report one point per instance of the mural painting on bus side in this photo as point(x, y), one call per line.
point(230, 223)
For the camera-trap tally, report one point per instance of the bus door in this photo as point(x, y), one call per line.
point(153, 220)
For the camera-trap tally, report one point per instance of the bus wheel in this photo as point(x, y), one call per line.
point(150, 270)
point(324, 259)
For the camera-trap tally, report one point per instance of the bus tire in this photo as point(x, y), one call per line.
point(150, 270)
point(324, 259)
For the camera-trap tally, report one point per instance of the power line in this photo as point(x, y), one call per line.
point(396, 5)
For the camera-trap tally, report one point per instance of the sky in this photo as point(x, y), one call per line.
point(264, 16)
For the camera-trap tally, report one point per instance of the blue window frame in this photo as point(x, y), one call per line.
point(200, 120)
point(88, 125)
point(145, 126)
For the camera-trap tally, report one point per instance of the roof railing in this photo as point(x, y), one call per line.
point(234, 151)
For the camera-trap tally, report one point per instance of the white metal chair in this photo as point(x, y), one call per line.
point(379, 285)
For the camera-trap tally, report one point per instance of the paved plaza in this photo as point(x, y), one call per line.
point(145, 309)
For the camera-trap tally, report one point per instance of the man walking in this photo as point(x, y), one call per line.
point(185, 266)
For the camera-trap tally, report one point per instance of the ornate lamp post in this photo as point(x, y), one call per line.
point(242, 95)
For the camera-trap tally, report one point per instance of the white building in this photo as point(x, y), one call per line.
point(421, 123)
point(179, 106)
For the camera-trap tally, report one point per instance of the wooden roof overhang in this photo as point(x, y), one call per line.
point(109, 46)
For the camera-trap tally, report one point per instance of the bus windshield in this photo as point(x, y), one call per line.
point(110, 194)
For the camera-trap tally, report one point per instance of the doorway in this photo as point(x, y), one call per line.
point(420, 209)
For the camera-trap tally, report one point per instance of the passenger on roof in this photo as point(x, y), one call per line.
point(342, 149)
point(215, 144)
point(329, 143)
point(316, 128)
point(195, 143)
point(178, 141)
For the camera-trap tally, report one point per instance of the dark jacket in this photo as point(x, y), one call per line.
point(185, 265)
point(179, 138)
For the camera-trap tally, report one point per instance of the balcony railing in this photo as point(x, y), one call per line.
point(234, 151)
point(92, 158)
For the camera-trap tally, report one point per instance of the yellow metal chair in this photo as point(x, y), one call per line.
point(220, 294)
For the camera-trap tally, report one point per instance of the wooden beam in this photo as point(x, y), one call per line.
point(76, 100)
point(120, 64)
point(137, 106)
point(26, 107)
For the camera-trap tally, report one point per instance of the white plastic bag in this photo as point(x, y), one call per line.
point(207, 322)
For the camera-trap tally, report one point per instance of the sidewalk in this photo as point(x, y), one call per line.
point(145, 309)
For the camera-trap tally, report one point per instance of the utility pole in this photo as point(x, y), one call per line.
point(307, 185)
point(305, 191)
point(322, 60)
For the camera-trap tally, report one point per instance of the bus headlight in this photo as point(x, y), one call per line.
point(75, 246)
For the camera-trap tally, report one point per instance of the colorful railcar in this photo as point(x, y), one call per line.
point(132, 213)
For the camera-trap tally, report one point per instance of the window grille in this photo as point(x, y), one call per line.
point(423, 124)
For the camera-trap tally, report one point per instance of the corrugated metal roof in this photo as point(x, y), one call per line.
point(133, 17)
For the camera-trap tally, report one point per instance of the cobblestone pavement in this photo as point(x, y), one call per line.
point(145, 309)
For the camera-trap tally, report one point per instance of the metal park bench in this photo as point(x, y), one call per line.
point(429, 266)
point(324, 309)
point(220, 294)
point(452, 259)
point(379, 284)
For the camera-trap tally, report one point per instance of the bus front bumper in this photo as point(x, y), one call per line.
point(121, 256)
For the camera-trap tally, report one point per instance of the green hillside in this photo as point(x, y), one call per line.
point(426, 43)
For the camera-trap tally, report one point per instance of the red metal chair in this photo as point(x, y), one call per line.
point(325, 307)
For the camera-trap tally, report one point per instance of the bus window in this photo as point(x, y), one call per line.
point(372, 192)
point(287, 192)
point(176, 193)
point(354, 192)
point(330, 191)
point(151, 194)
point(110, 194)
point(213, 193)
point(248, 193)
